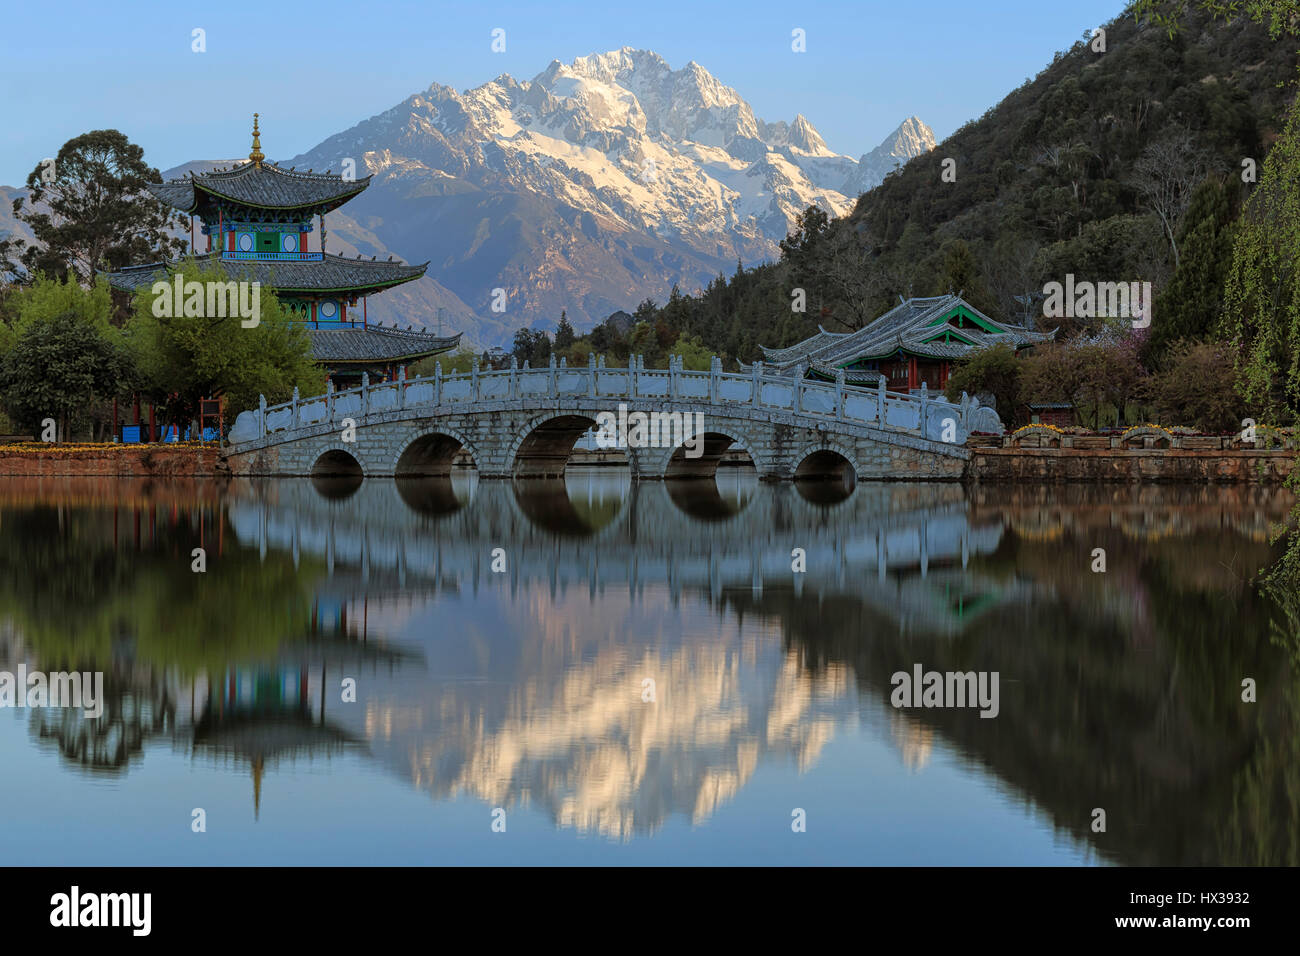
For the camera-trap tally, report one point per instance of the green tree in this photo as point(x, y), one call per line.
point(1191, 302)
point(1279, 16)
point(56, 369)
point(564, 334)
point(1073, 372)
point(1195, 387)
point(695, 355)
point(995, 371)
point(580, 353)
point(961, 274)
point(810, 227)
point(89, 209)
point(46, 298)
point(462, 360)
point(183, 358)
point(1261, 315)
point(58, 330)
point(644, 341)
point(533, 347)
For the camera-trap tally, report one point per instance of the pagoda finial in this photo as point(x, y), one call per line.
point(256, 155)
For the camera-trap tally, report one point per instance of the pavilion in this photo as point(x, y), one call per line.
point(913, 344)
point(261, 214)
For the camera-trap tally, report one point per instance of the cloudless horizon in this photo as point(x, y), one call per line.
point(315, 71)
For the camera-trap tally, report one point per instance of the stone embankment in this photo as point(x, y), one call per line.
point(1147, 453)
point(40, 460)
point(992, 460)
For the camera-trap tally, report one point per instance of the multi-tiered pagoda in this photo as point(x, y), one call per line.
point(262, 217)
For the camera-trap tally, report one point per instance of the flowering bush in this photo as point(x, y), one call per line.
point(1026, 429)
point(1142, 429)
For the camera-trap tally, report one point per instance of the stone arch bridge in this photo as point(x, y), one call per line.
point(524, 423)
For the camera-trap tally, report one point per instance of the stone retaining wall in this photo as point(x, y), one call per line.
point(109, 461)
point(1156, 464)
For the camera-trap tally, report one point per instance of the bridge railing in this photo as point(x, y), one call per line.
point(921, 414)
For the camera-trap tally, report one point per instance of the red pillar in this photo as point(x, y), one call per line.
point(911, 373)
point(152, 435)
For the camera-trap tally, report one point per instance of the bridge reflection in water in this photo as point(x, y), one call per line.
point(524, 687)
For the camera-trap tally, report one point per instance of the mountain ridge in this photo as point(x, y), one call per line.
point(590, 187)
point(593, 186)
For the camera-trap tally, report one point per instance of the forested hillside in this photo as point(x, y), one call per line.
point(1091, 168)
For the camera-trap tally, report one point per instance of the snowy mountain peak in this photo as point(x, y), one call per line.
point(912, 138)
point(614, 172)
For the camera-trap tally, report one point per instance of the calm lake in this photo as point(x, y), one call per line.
point(596, 671)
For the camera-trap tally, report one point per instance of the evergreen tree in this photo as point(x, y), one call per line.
point(1261, 314)
point(961, 274)
point(564, 334)
point(1190, 304)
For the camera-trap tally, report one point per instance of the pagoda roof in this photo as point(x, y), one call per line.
point(373, 344)
point(913, 327)
point(260, 185)
point(328, 274)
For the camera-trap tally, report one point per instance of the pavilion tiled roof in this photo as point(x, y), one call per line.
point(263, 185)
point(794, 352)
point(376, 344)
point(328, 274)
point(903, 328)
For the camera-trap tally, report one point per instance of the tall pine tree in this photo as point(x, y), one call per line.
point(1190, 305)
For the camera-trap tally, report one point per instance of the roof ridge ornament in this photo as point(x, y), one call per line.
point(256, 155)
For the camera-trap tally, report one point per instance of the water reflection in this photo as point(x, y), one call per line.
point(523, 683)
point(438, 494)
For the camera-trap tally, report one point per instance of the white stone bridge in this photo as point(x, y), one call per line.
point(524, 423)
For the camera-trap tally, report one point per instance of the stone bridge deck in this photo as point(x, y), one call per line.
point(524, 423)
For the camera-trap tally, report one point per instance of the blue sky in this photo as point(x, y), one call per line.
point(315, 68)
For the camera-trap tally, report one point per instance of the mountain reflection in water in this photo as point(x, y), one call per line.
point(611, 657)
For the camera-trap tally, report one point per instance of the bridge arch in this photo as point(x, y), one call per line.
point(825, 460)
point(337, 461)
point(430, 451)
point(543, 446)
point(718, 439)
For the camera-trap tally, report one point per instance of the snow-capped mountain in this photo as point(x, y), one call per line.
point(588, 188)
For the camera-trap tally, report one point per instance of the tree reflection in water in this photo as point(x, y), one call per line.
point(1121, 690)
